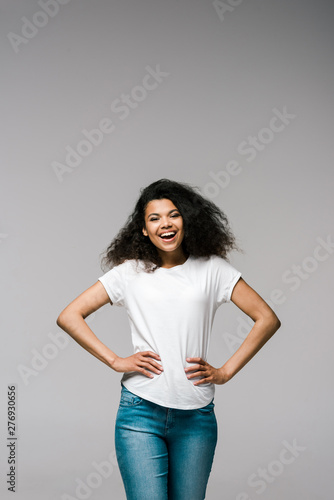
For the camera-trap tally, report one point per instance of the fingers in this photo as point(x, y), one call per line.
point(151, 361)
point(141, 368)
point(151, 354)
point(193, 374)
point(195, 360)
point(206, 376)
point(144, 372)
point(196, 374)
point(201, 364)
point(200, 369)
point(194, 367)
point(153, 367)
point(145, 362)
point(202, 381)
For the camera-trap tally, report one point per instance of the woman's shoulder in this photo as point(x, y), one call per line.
point(122, 269)
point(212, 263)
point(129, 265)
point(208, 259)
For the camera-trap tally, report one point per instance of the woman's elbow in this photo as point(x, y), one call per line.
point(270, 321)
point(60, 320)
point(274, 322)
point(63, 319)
point(68, 317)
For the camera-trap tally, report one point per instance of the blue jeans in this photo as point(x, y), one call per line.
point(164, 453)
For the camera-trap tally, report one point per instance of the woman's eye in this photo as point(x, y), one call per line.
point(172, 215)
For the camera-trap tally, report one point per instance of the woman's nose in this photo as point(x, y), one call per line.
point(165, 222)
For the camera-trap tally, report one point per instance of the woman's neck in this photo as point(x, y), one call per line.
point(171, 259)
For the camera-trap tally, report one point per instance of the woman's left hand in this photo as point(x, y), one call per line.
point(202, 369)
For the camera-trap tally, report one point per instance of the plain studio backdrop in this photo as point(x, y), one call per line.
point(99, 99)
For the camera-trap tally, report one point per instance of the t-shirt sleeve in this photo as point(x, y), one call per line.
point(114, 284)
point(225, 278)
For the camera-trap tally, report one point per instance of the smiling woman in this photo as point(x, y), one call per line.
point(162, 206)
point(168, 268)
point(164, 227)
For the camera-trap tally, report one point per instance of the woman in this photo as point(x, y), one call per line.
point(169, 269)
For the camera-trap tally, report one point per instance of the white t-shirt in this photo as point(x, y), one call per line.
point(171, 313)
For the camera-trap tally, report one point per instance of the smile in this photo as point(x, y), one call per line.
point(168, 236)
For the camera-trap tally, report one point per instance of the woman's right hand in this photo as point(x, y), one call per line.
point(140, 362)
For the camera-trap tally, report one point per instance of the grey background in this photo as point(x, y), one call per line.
point(226, 75)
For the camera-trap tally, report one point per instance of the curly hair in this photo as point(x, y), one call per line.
point(206, 228)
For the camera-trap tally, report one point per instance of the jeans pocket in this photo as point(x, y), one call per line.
point(206, 410)
point(128, 398)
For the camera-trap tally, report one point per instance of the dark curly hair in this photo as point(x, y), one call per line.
point(206, 228)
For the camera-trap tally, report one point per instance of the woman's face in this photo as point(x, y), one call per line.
point(161, 218)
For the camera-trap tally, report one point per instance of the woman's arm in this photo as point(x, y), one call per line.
point(72, 321)
point(266, 324)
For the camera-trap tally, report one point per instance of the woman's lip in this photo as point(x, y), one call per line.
point(169, 239)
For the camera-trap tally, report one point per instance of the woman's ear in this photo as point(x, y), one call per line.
point(144, 232)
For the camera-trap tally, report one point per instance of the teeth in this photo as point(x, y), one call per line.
point(168, 234)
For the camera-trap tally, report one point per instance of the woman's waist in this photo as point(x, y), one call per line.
point(171, 389)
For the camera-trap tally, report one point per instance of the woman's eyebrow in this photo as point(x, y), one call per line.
point(174, 210)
